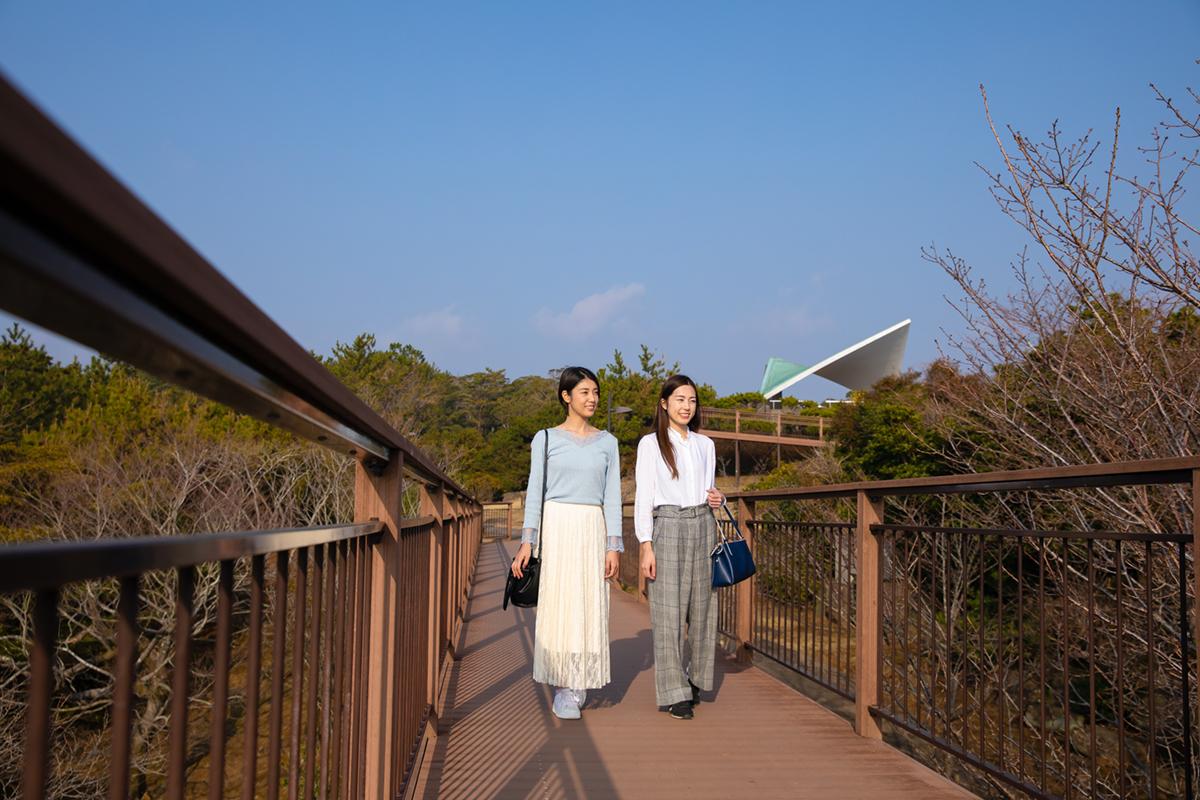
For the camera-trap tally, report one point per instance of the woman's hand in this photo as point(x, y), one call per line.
point(648, 564)
point(521, 559)
point(715, 498)
point(612, 564)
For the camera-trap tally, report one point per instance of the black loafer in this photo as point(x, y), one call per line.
point(695, 693)
point(681, 710)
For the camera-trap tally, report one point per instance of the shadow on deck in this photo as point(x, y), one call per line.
point(752, 736)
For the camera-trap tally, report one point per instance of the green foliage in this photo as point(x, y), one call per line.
point(518, 410)
point(637, 390)
point(884, 435)
point(787, 475)
point(35, 391)
point(1182, 327)
point(398, 382)
point(738, 400)
point(477, 426)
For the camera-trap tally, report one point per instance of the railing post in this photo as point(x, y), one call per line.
point(463, 529)
point(867, 611)
point(433, 501)
point(1196, 558)
point(509, 530)
point(737, 463)
point(478, 541)
point(378, 497)
point(455, 550)
point(744, 591)
point(468, 552)
point(450, 554)
point(642, 594)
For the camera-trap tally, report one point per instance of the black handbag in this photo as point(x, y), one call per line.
point(731, 559)
point(523, 591)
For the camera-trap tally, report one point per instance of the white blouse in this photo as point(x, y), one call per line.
point(696, 459)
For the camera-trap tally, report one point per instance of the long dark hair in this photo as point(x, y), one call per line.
point(662, 422)
point(571, 377)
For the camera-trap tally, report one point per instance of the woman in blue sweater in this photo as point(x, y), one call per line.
point(580, 531)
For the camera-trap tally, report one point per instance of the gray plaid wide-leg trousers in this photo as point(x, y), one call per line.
point(683, 608)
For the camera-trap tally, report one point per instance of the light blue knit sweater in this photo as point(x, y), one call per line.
point(583, 470)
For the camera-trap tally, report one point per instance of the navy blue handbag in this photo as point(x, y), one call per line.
point(731, 559)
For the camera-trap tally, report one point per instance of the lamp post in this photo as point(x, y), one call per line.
point(611, 411)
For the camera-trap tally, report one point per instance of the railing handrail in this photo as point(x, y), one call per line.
point(127, 285)
point(43, 565)
point(1124, 473)
point(1026, 533)
point(82, 256)
point(747, 414)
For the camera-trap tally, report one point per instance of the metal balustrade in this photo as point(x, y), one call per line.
point(983, 642)
point(348, 625)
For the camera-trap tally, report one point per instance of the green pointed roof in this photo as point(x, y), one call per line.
point(778, 372)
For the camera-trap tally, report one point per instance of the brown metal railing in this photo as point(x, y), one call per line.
point(802, 611)
point(768, 423)
point(499, 521)
point(803, 614)
point(325, 646)
point(1018, 691)
point(1056, 662)
point(316, 587)
point(756, 430)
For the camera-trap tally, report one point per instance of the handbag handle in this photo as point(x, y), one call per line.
point(542, 509)
point(736, 528)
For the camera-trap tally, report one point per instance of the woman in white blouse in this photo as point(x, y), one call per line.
point(674, 523)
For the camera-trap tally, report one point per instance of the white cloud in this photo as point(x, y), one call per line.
point(589, 315)
point(785, 323)
point(443, 323)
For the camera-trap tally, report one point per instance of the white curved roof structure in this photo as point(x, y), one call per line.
point(857, 367)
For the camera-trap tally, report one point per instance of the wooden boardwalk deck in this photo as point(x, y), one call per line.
point(753, 738)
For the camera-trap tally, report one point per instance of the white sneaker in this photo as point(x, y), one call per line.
point(580, 696)
point(565, 704)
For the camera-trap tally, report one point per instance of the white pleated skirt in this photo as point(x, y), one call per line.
point(570, 647)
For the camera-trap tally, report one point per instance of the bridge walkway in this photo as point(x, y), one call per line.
point(755, 738)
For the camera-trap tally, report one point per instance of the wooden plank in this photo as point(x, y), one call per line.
point(752, 736)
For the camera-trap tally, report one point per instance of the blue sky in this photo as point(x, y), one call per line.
point(527, 185)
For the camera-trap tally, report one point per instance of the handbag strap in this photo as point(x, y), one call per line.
point(542, 511)
point(736, 528)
